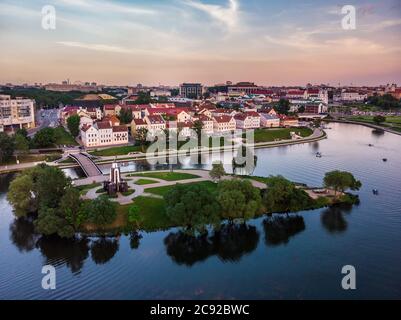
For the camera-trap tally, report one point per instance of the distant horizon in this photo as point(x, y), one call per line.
point(203, 84)
point(206, 41)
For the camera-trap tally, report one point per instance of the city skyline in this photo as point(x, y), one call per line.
point(152, 42)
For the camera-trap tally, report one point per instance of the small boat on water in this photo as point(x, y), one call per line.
point(375, 192)
point(370, 145)
point(318, 155)
point(385, 160)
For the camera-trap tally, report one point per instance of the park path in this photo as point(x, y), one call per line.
point(140, 190)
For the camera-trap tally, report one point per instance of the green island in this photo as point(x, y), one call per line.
point(269, 135)
point(60, 207)
point(391, 122)
point(168, 176)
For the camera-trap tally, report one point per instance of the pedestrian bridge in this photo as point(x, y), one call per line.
point(88, 166)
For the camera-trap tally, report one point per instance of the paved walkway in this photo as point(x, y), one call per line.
point(140, 190)
point(87, 165)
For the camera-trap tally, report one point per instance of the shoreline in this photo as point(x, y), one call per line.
point(107, 160)
point(366, 124)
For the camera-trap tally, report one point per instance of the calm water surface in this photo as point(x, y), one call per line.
point(296, 257)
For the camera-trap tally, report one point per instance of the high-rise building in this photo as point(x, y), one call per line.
point(191, 90)
point(16, 113)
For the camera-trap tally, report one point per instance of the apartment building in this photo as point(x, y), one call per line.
point(16, 113)
point(247, 120)
point(191, 90)
point(223, 124)
point(269, 120)
point(102, 134)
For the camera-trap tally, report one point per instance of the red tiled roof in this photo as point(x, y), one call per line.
point(139, 122)
point(103, 125)
point(120, 129)
point(110, 106)
point(85, 127)
point(155, 119)
point(222, 119)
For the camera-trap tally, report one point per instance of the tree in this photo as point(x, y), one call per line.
point(49, 222)
point(134, 216)
point(22, 132)
point(50, 186)
point(20, 195)
point(125, 116)
point(198, 127)
point(379, 119)
point(21, 143)
point(44, 138)
point(238, 199)
point(102, 211)
point(192, 206)
point(140, 136)
point(283, 106)
point(7, 146)
point(385, 102)
point(73, 124)
point(217, 171)
point(341, 181)
point(71, 207)
point(283, 196)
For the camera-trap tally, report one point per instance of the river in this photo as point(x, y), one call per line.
point(296, 257)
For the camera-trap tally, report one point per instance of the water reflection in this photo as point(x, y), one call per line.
point(230, 243)
point(22, 234)
point(135, 240)
point(333, 218)
point(378, 132)
point(104, 249)
point(69, 252)
point(279, 229)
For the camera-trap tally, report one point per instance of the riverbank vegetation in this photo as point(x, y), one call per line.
point(391, 122)
point(59, 208)
point(19, 145)
point(194, 207)
point(269, 135)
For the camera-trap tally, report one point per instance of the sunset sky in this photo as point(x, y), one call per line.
point(210, 41)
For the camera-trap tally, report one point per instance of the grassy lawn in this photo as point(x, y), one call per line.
point(64, 137)
point(25, 158)
point(168, 176)
point(161, 191)
point(115, 151)
point(128, 193)
point(391, 122)
point(152, 211)
point(85, 188)
point(142, 182)
point(268, 135)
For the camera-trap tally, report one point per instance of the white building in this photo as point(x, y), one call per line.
point(103, 134)
point(247, 120)
point(223, 124)
point(351, 95)
point(269, 120)
point(16, 113)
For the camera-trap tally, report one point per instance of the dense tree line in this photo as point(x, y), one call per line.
point(196, 207)
point(47, 192)
point(44, 98)
point(385, 102)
